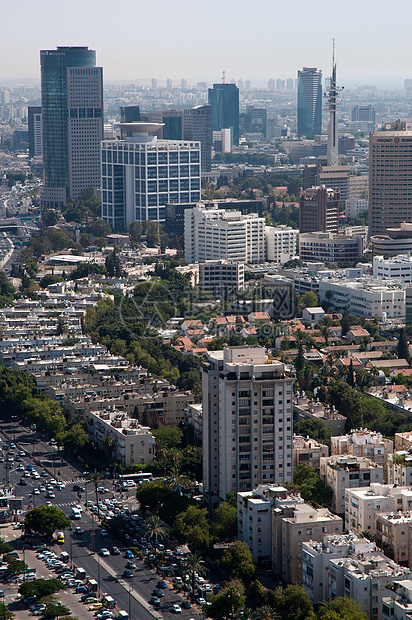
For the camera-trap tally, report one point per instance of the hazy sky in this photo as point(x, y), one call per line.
point(198, 39)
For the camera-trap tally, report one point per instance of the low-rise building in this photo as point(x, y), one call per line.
point(399, 468)
point(363, 442)
point(398, 602)
point(329, 247)
point(348, 472)
point(128, 441)
point(394, 530)
point(363, 504)
point(281, 243)
point(308, 451)
point(220, 276)
point(305, 408)
point(403, 441)
point(396, 267)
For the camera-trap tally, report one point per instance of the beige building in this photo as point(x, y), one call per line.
point(394, 530)
point(310, 409)
point(363, 442)
point(130, 443)
point(306, 523)
point(403, 441)
point(348, 472)
point(307, 451)
point(399, 468)
point(363, 504)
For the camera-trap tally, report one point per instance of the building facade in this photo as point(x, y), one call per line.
point(197, 126)
point(319, 210)
point(247, 422)
point(329, 247)
point(224, 101)
point(309, 102)
point(218, 234)
point(390, 177)
point(281, 243)
point(221, 277)
point(35, 131)
point(72, 123)
point(141, 175)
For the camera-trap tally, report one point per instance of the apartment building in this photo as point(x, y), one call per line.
point(319, 210)
point(308, 451)
point(403, 441)
point(348, 566)
point(221, 277)
point(398, 602)
point(363, 504)
point(396, 267)
point(363, 442)
point(247, 421)
point(399, 468)
point(218, 234)
point(305, 408)
point(281, 243)
point(128, 441)
point(394, 529)
point(348, 472)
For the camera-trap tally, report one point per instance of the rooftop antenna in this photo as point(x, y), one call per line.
point(332, 96)
point(224, 77)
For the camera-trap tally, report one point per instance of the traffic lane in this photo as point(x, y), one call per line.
point(144, 579)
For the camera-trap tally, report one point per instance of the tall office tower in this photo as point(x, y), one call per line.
point(197, 125)
point(141, 174)
point(217, 234)
point(248, 85)
point(169, 83)
point(172, 124)
point(255, 120)
point(183, 83)
point(224, 100)
point(154, 83)
point(390, 177)
point(271, 85)
point(240, 84)
point(4, 97)
point(35, 132)
point(247, 422)
point(280, 84)
point(72, 123)
point(319, 210)
point(309, 102)
point(363, 118)
point(289, 84)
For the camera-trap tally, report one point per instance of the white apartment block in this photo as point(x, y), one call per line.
point(317, 555)
point(281, 243)
point(308, 451)
point(346, 566)
point(348, 472)
point(247, 421)
point(132, 443)
point(399, 468)
point(396, 267)
point(366, 297)
point(218, 234)
point(363, 442)
point(363, 504)
point(141, 175)
point(355, 206)
point(398, 603)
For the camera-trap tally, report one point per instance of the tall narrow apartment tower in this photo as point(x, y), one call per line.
point(72, 123)
point(309, 102)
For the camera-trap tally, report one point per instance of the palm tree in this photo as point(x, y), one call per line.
point(265, 613)
point(194, 564)
point(176, 480)
point(154, 530)
point(95, 477)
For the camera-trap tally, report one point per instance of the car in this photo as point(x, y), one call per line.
point(201, 601)
point(176, 609)
point(80, 590)
point(29, 600)
point(84, 597)
point(207, 587)
point(104, 532)
point(157, 592)
point(115, 551)
point(154, 600)
point(90, 600)
point(48, 503)
point(104, 552)
point(18, 459)
point(22, 453)
point(78, 530)
point(200, 580)
point(129, 554)
point(78, 487)
point(60, 485)
point(44, 474)
point(131, 565)
point(51, 495)
point(162, 584)
point(105, 615)
point(36, 492)
point(127, 574)
point(95, 607)
point(178, 581)
point(12, 445)
point(186, 604)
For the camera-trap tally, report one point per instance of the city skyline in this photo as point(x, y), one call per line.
point(168, 45)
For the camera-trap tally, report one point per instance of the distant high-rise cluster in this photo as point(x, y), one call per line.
point(72, 122)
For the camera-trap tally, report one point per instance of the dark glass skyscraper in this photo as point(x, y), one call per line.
point(224, 100)
point(309, 102)
point(72, 122)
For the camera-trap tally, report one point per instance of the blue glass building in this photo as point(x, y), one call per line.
point(309, 102)
point(224, 102)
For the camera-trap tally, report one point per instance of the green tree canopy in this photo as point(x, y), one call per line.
point(314, 428)
point(225, 522)
point(168, 436)
point(237, 561)
point(228, 602)
point(41, 587)
point(193, 527)
point(312, 488)
point(342, 608)
point(292, 603)
point(45, 520)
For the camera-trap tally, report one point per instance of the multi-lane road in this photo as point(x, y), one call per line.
point(131, 594)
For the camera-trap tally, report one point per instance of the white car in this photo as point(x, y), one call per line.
point(176, 609)
point(104, 552)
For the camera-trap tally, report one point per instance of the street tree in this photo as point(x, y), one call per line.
point(192, 526)
point(237, 561)
point(292, 603)
point(45, 520)
point(194, 564)
point(154, 530)
point(225, 521)
point(41, 587)
point(341, 608)
point(228, 602)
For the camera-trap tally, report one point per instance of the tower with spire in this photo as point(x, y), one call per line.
point(332, 95)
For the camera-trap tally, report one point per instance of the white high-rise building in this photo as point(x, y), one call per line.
point(247, 422)
point(141, 174)
point(281, 243)
point(218, 234)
